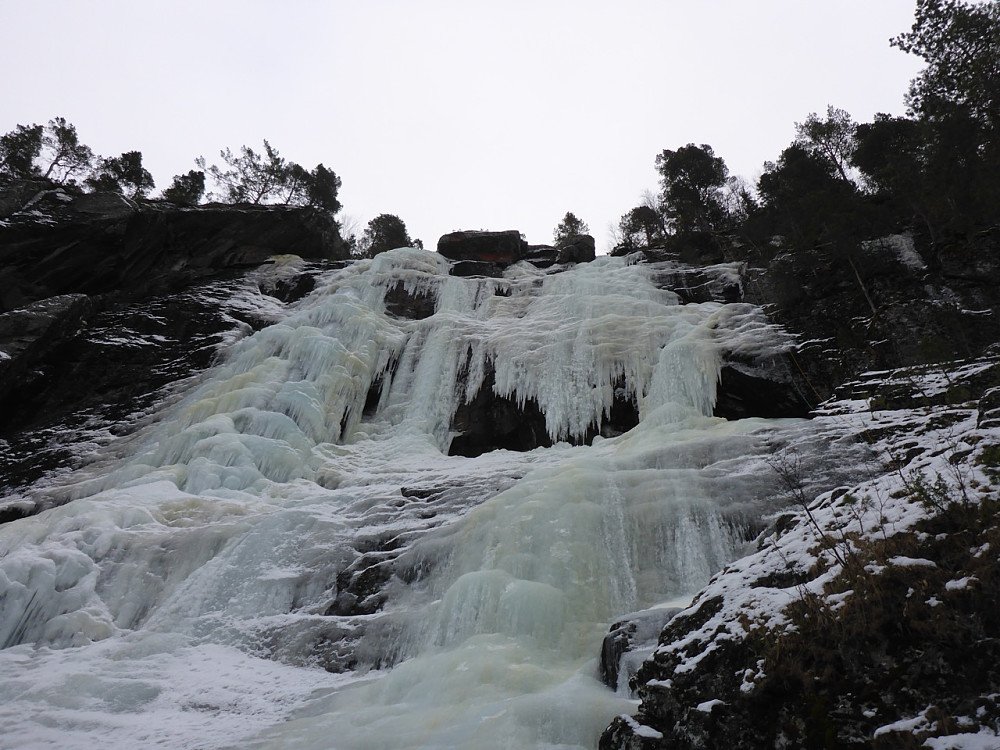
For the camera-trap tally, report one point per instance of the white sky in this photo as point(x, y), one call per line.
point(453, 114)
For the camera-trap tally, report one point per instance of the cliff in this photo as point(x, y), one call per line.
point(105, 302)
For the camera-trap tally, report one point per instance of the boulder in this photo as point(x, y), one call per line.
point(504, 248)
point(577, 248)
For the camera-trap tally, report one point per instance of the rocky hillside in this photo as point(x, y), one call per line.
point(866, 617)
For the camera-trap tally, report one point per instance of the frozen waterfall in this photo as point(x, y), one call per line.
point(290, 557)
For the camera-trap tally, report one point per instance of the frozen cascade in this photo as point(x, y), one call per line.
point(184, 598)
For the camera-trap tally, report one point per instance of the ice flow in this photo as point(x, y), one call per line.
point(195, 594)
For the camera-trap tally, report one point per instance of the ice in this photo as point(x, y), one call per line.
point(323, 438)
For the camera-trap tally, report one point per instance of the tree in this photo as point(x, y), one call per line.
point(186, 189)
point(250, 177)
point(122, 174)
point(805, 199)
point(322, 189)
point(960, 42)
point(63, 152)
point(831, 139)
point(568, 227)
point(384, 232)
point(267, 177)
point(19, 149)
point(643, 225)
point(692, 178)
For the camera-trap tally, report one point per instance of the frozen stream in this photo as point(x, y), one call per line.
point(189, 598)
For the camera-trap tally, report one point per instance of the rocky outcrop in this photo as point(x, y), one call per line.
point(577, 248)
point(105, 302)
point(102, 243)
point(885, 304)
point(503, 248)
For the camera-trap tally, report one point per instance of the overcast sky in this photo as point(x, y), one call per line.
point(453, 114)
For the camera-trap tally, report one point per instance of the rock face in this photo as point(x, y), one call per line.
point(503, 248)
point(888, 303)
point(105, 244)
point(94, 279)
point(578, 248)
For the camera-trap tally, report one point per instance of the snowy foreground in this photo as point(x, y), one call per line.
point(184, 598)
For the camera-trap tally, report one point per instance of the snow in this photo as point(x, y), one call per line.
point(984, 739)
point(914, 724)
point(959, 583)
point(642, 730)
point(707, 706)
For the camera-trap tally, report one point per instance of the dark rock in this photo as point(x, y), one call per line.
point(627, 636)
point(292, 288)
point(883, 304)
point(92, 280)
point(697, 284)
point(476, 268)
point(542, 256)
point(765, 389)
point(989, 409)
point(504, 248)
point(29, 334)
point(577, 248)
point(102, 244)
point(490, 422)
point(403, 304)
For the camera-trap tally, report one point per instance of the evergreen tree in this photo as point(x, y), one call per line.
point(65, 157)
point(568, 227)
point(186, 189)
point(266, 177)
point(831, 140)
point(123, 174)
point(960, 42)
point(384, 232)
point(19, 149)
point(692, 178)
point(642, 226)
point(250, 177)
point(322, 189)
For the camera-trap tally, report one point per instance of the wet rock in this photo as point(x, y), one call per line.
point(504, 247)
point(491, 422)
point(629, 642)
point(30, 333)
point(412, 306)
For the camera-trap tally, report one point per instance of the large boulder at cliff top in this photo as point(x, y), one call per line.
point(577, 248)
point(504, 248)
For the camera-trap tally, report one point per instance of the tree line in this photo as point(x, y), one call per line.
point(934, 171)
point(55, 154)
